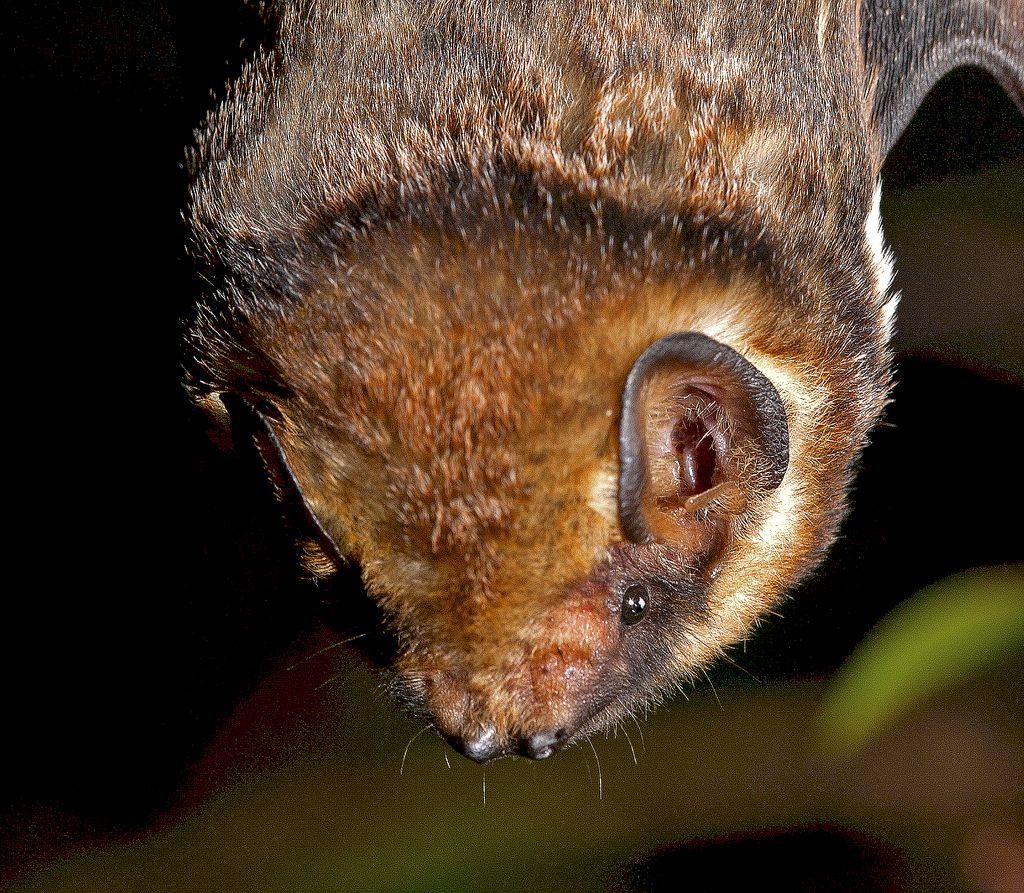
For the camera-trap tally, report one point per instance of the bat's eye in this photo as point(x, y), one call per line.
point(634, 604)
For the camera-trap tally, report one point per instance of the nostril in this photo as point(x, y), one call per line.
point(482, 747)
point(542, 745)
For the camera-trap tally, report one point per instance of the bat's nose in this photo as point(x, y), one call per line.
point(486, 744)
point(541, 745)
point(481, 746)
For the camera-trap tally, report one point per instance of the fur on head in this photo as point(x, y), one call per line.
point(567, 321)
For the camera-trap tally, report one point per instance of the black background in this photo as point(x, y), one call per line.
point(150, 582)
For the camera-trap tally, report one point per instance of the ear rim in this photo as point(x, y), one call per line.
point(268, 445)
point(703, 352)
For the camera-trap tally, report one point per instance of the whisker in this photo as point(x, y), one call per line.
point(405, 753)
point(323, 650)
point(600, 781)
point(712, 684)
point(636, 722)
point(631, 748)
point(738, 667)
point(329, 680)
point(586, 763)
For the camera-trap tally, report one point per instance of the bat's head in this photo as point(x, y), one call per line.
point(570, 480)
point(564, 328)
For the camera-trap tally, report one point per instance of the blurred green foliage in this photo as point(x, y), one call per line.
point(934, 640)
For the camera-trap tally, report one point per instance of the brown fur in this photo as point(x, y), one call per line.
point(440, 233)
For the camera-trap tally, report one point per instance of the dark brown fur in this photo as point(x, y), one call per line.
point(438, 234)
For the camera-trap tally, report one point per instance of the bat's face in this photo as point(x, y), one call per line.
point(568, 332)
point(566, 494)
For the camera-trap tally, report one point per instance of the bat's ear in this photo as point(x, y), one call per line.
point(910, 44)
point(703, 435)
point(253, 422)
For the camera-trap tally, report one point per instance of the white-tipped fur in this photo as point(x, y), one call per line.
point(881, 261)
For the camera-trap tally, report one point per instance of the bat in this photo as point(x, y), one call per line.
point(565, 320)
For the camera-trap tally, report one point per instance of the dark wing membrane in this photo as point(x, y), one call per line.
point(910, 44)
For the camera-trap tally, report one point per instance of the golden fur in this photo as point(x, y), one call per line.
point(438, 236)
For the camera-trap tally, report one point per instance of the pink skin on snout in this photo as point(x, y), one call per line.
point(543, 691)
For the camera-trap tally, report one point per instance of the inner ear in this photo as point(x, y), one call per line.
point(703, 433)
point(687, 438)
